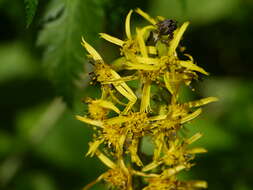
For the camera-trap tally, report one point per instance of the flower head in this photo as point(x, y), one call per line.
point(123, 116)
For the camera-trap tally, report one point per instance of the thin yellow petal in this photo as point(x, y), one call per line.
point(117, 120)
point(199, 184)
point(90, 121)
point(177, 37)
point(147, 60)
point(191, 116)
point(111, 39)
point(122, 84)
point(123, 88)
point(122, 79)
point(201, 102)
point(141, 43)
point(127, 25)
point(194, 138)
point(94, 54)
point(142, 35)
point(191, 66)
point(158, 146)
point(133, 149)
point(125, 93)
point(146, 16)
point(151, 166)
point(105, 160)
point(93, 147)
point(167, 83)
point(108, 105)
point(160, 18)
point(173, 171)
point(139, 66)
point(121, 143)
point(197, 150)
point(145, 100)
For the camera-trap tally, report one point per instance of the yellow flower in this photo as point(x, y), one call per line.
point(118, 176)
point(131, 46)
point(105, 73)
point(152, 110)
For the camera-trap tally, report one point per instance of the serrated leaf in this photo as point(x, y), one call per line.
point(64, 57)
point(30, 10)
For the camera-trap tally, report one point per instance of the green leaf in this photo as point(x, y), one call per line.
point(30, 10)
point(64, 57)
point(17, 62)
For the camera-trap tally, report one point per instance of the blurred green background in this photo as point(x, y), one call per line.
point(42, 146)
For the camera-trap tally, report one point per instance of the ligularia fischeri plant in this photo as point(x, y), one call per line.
point(140, 98)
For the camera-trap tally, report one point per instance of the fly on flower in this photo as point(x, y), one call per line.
point(164, 31)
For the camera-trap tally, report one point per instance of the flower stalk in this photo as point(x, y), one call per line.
point(124, 114)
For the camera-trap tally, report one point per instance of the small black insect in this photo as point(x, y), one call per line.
point(167, 27)
point(164, 28)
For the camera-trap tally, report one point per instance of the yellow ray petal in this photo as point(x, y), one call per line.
point(94, 54)
point(145, 100)
point(147, 60)
point(117, 120)
point(151, 166)
point(125, 93)
point(197, 150)
point(123, 88)
point(139, 66)
point(191, 116)
point(167, 83)
point(160, 18)
point(108, 105)
point(111, 39)
point(122, 79)
point(158, 146)
point(105, 160)
point(191, 66)
point(133, 149)
point(93, 147)
point(198, 184)
point(146, 16)
point(201, 102)
point(90, 121)
point(177, 37)
point(142, 35)
point(193, 138)
point(127, 25)
point(173, 171)
point(121, 142)
point(141, 43)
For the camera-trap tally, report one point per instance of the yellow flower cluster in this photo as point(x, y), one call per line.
point(140, 98)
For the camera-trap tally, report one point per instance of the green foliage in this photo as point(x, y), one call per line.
point(64, 56)
point(30, 10)
point(184, 4)
point(16, 62)
point(196, 11)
